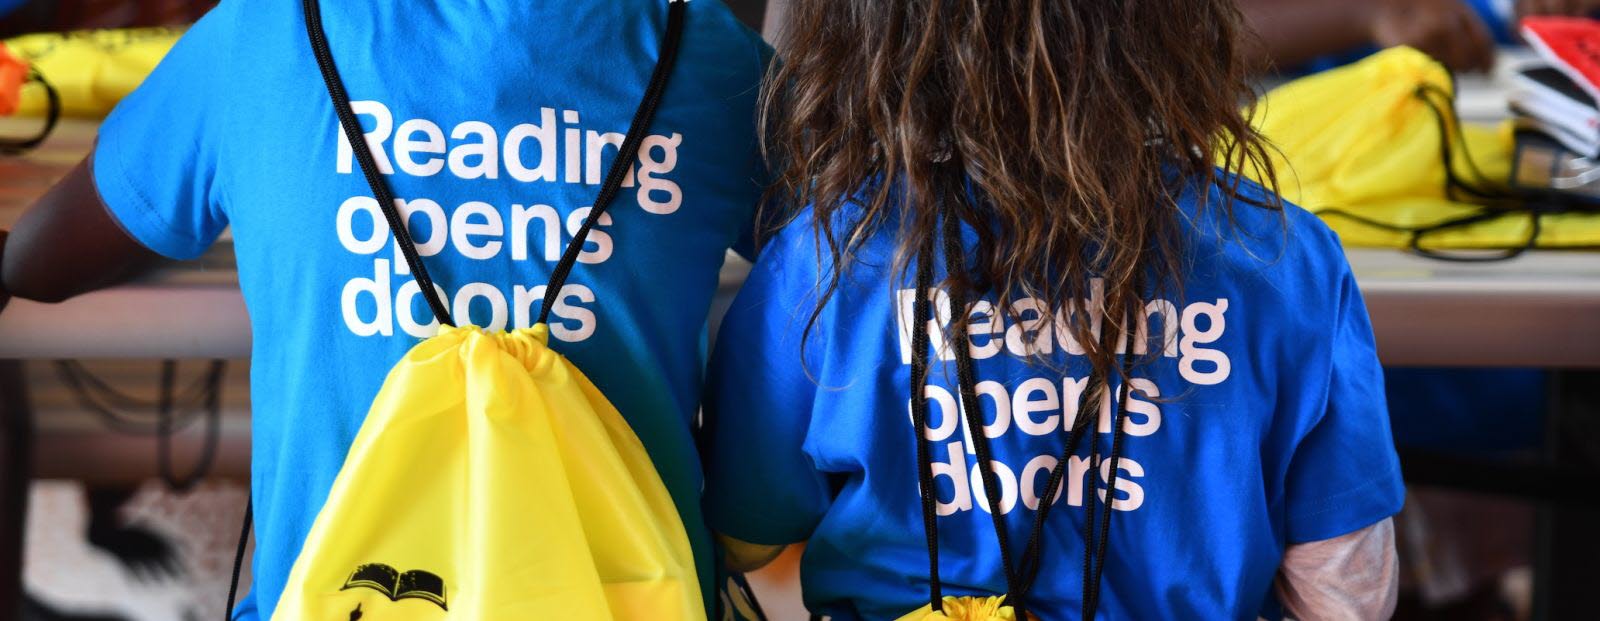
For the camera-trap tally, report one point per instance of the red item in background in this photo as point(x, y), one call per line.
point(1571, 44)
point(13, 72)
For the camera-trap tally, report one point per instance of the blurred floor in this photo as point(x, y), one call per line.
point(1464, 557)
point(63, 572)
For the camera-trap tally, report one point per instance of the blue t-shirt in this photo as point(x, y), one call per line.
point(1260, 424)
point(497, 121)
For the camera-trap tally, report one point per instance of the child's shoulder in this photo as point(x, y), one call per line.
point(1232, 228)
point(1244, 226)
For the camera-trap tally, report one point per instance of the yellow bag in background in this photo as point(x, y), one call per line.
point(492, 480)
point(1364, 139)
point(92, 69)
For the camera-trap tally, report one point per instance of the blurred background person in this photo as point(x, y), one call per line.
point(1302, 35)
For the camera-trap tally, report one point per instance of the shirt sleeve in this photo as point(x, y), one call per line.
point(1344, 474)
point(156, 160)
point(1354, 576)
point(761, 485)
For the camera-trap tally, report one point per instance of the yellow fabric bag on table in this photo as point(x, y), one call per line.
point(1362, 146)
point(91, 70)
point(490, 480)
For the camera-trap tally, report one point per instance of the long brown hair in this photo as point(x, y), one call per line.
point(1061, 130)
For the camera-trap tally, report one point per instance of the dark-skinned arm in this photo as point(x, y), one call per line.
point(1291, 32)
point(68, 243)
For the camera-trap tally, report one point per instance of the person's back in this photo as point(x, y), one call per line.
point(1230, 432)
point(1103, 265)
point(497, 121)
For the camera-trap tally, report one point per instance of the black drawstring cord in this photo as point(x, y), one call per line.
point(363, 154)
point(1091, 592)
point(922, 315)
point(955, 262)
point(238, 557)
point(1449, 134)
point(172, 412)
point(1089, 501)
point(1031, 553)
point(626, 155)
point(103, 400)
point(52, 115)
point(1031, 563)
point(1020, 581)
point(208, 448)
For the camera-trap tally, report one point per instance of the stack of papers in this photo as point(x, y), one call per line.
point(1555, 95)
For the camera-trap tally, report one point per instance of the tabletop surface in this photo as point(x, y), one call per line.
point(1542, 309)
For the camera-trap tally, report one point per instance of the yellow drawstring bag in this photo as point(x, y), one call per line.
point(91, 70)
point(491, 481)
point(965, 609)
point(1364, 146)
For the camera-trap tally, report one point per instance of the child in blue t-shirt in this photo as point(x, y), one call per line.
point(493, 123)
point(1033, 338)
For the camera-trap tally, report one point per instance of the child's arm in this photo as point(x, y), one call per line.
point(1354, 576)
point(1287, 33)
point(1342, 484)
point(149, 188)
point(764, 489)
point(67, 244)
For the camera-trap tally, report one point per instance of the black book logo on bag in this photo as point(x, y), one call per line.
point(414, 584)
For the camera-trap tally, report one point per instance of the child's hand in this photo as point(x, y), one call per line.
point(1448, 30)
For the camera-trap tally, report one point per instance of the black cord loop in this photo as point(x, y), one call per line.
point(1019, 581)
point(174, 411)
point(51, 116)
point(922, 312)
